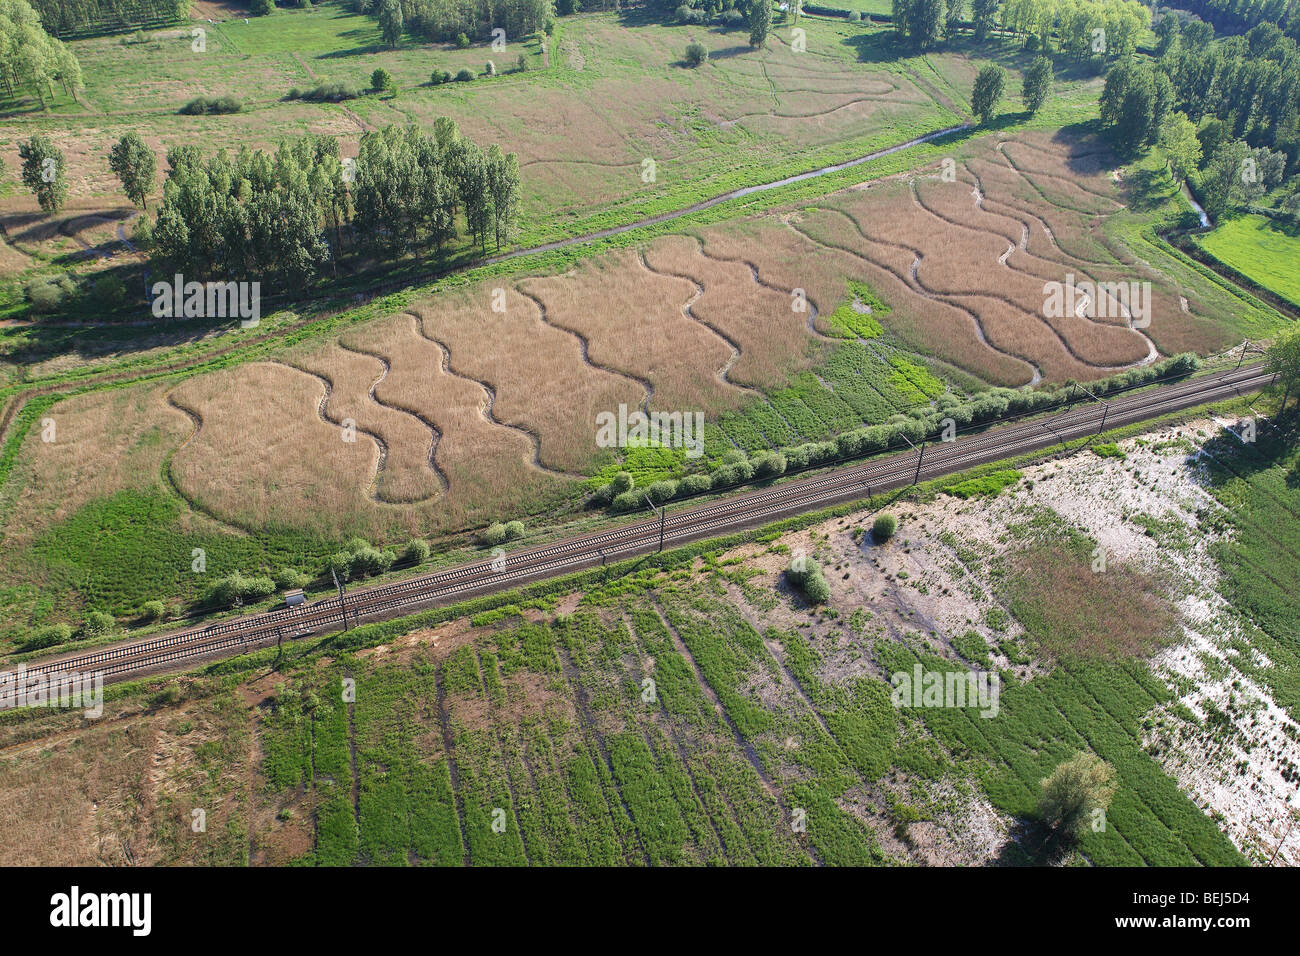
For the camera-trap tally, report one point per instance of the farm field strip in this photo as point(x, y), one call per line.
point(742, 511)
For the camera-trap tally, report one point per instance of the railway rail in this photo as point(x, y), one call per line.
point(236, 635)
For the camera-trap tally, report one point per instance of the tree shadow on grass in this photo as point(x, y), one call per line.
point(1030, 843)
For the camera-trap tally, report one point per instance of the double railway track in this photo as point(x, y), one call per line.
point(234, 636)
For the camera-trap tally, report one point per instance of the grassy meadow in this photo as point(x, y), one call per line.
point(1260, 249)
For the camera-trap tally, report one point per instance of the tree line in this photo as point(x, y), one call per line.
point(31, 60)
point(448, 20)
point(1073, 25)
point(1240, 15)
point(1226, 113)
point(291, 214)
point(64, 17)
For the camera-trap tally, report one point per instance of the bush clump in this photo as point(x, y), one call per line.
point(661, 491)
point(202, 105)
point(627, 501)
point(152, 610)
point(769, 464)
point(464, 76)
point(286, 579)
point(368, 561)
point(696, 54)
point(883, 528)
point(97, 623)
point(236, 587)
point(330, 93)
point(807, 576)
point(417, 551)
point(50, 635)
point(439, 77)
point(694, 484)
point(498, 533)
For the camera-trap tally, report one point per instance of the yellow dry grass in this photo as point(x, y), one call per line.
point(773, 339)
point(538, 376)
point(633, 322)
point(103, 442)
point(406, 472)
point(486, 464)
point(264, 457)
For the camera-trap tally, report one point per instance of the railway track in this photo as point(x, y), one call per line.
point(227, 638)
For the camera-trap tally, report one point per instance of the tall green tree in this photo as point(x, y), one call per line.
point(135, 165)
point(503, 184)
point(391, 22)
point(760, 22)
point(43, 171)
point(1283, 359)
point(1178, 141)
point(920, 22)
point(1037, 84)
point(1128, 105)
point(989, 85)
point(1229, 179)
point(1075, 792)
point(954, 12)
point(984, 15)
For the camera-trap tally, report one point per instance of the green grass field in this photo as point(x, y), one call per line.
point(1260, 249)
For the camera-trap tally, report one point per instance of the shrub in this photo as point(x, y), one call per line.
point(815, 588)
point(495, 534)
point(661, 491)
point(883, 528)
point(521, 64)
point(293, 94)
point(339, 565)
point(855, 16)
point(514, 529)
point(142, 232)
point(330, 93)
point(1076, 790)
point(417, 551)
point(464, 76)
point(380, 80)
point(622, 482)
point(809, 578)
point(694, 484)
point(97, 623)
point(152, 610)
point(627, 501)
point(462, 40)
point(368, 561)
point(696, 54)
point(204, 104)
point(731, 18)
point(490, 69)
point(769, 464)
point(236, 587)
point(286, 579)
point(49, 635)
point(49, 295)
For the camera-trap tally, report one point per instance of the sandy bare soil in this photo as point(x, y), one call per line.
point(931, 583)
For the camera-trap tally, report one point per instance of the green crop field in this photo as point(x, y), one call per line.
point(1261, 249)
point(468, 257)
